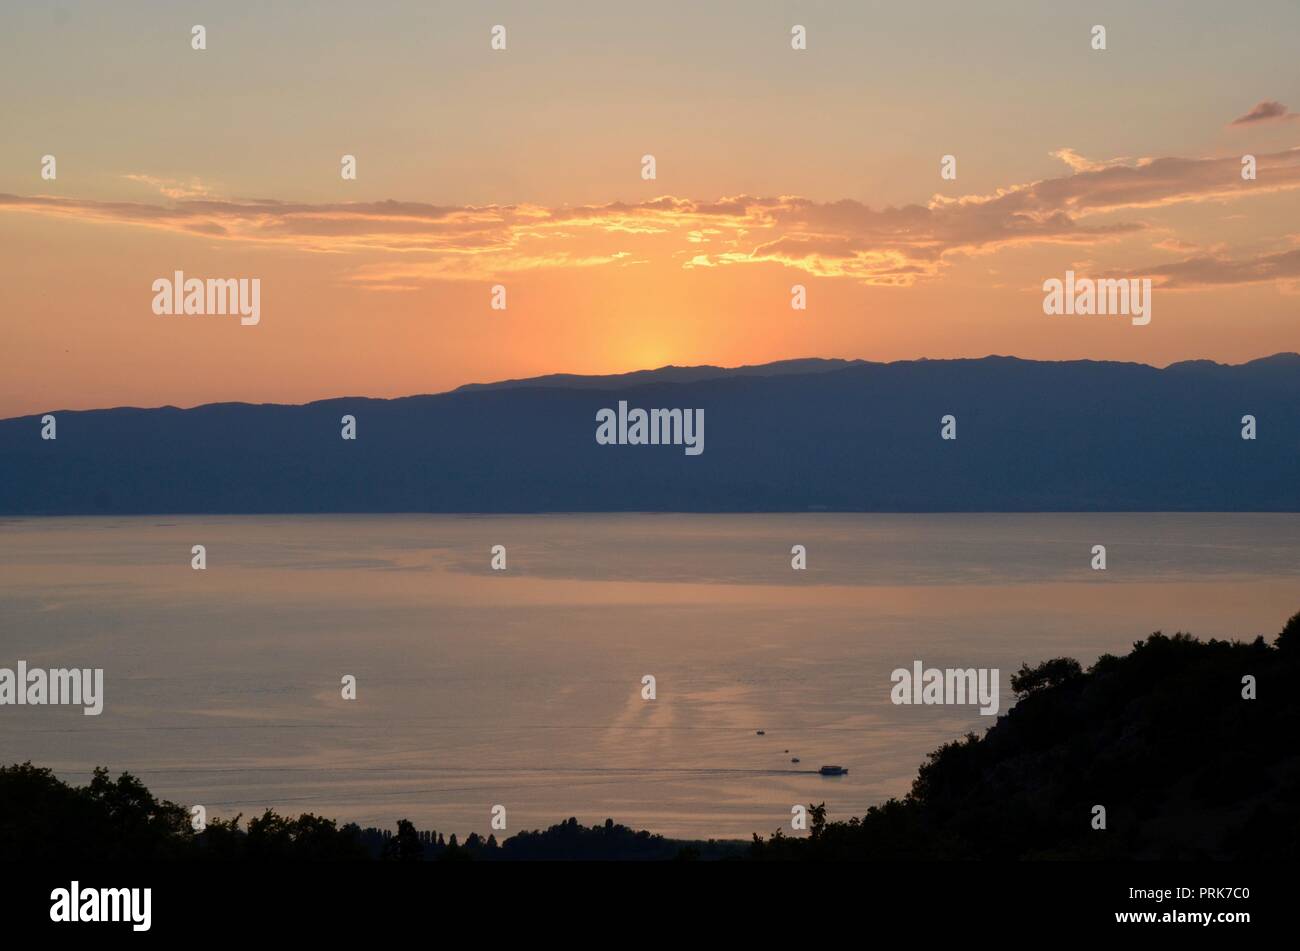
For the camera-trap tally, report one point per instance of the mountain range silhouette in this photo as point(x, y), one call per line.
point(796, 435)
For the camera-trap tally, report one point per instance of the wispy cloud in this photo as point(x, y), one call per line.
point(1218, 270)
point(888, 246)
point(173, 188)
point(1081, 164)
point(1268, 110)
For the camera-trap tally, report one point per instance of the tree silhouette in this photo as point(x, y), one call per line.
point(1289, 639)
point(1049, 673)
point(406, 845)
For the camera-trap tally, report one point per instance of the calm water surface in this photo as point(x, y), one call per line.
point(523, 687)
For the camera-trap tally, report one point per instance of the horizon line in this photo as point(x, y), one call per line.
point(521, 382)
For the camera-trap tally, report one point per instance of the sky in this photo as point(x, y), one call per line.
point(523, 168)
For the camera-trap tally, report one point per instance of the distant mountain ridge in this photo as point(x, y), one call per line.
point(792, 436)
point(692, 374)
point(669, 374)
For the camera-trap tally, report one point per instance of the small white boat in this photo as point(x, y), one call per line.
point(832, 770)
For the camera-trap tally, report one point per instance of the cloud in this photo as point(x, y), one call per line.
point(1080, 164)
point(1269, 110)
point(418, 242)
point(1219, 271)
point(173, 188)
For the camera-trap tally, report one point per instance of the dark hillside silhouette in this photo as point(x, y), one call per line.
point(1186, 768)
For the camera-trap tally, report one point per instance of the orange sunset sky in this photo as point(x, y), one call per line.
point(522, 167)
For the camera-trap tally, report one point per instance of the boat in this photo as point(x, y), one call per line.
point(832, 770)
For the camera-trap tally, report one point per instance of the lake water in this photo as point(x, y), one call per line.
point(523, 688)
